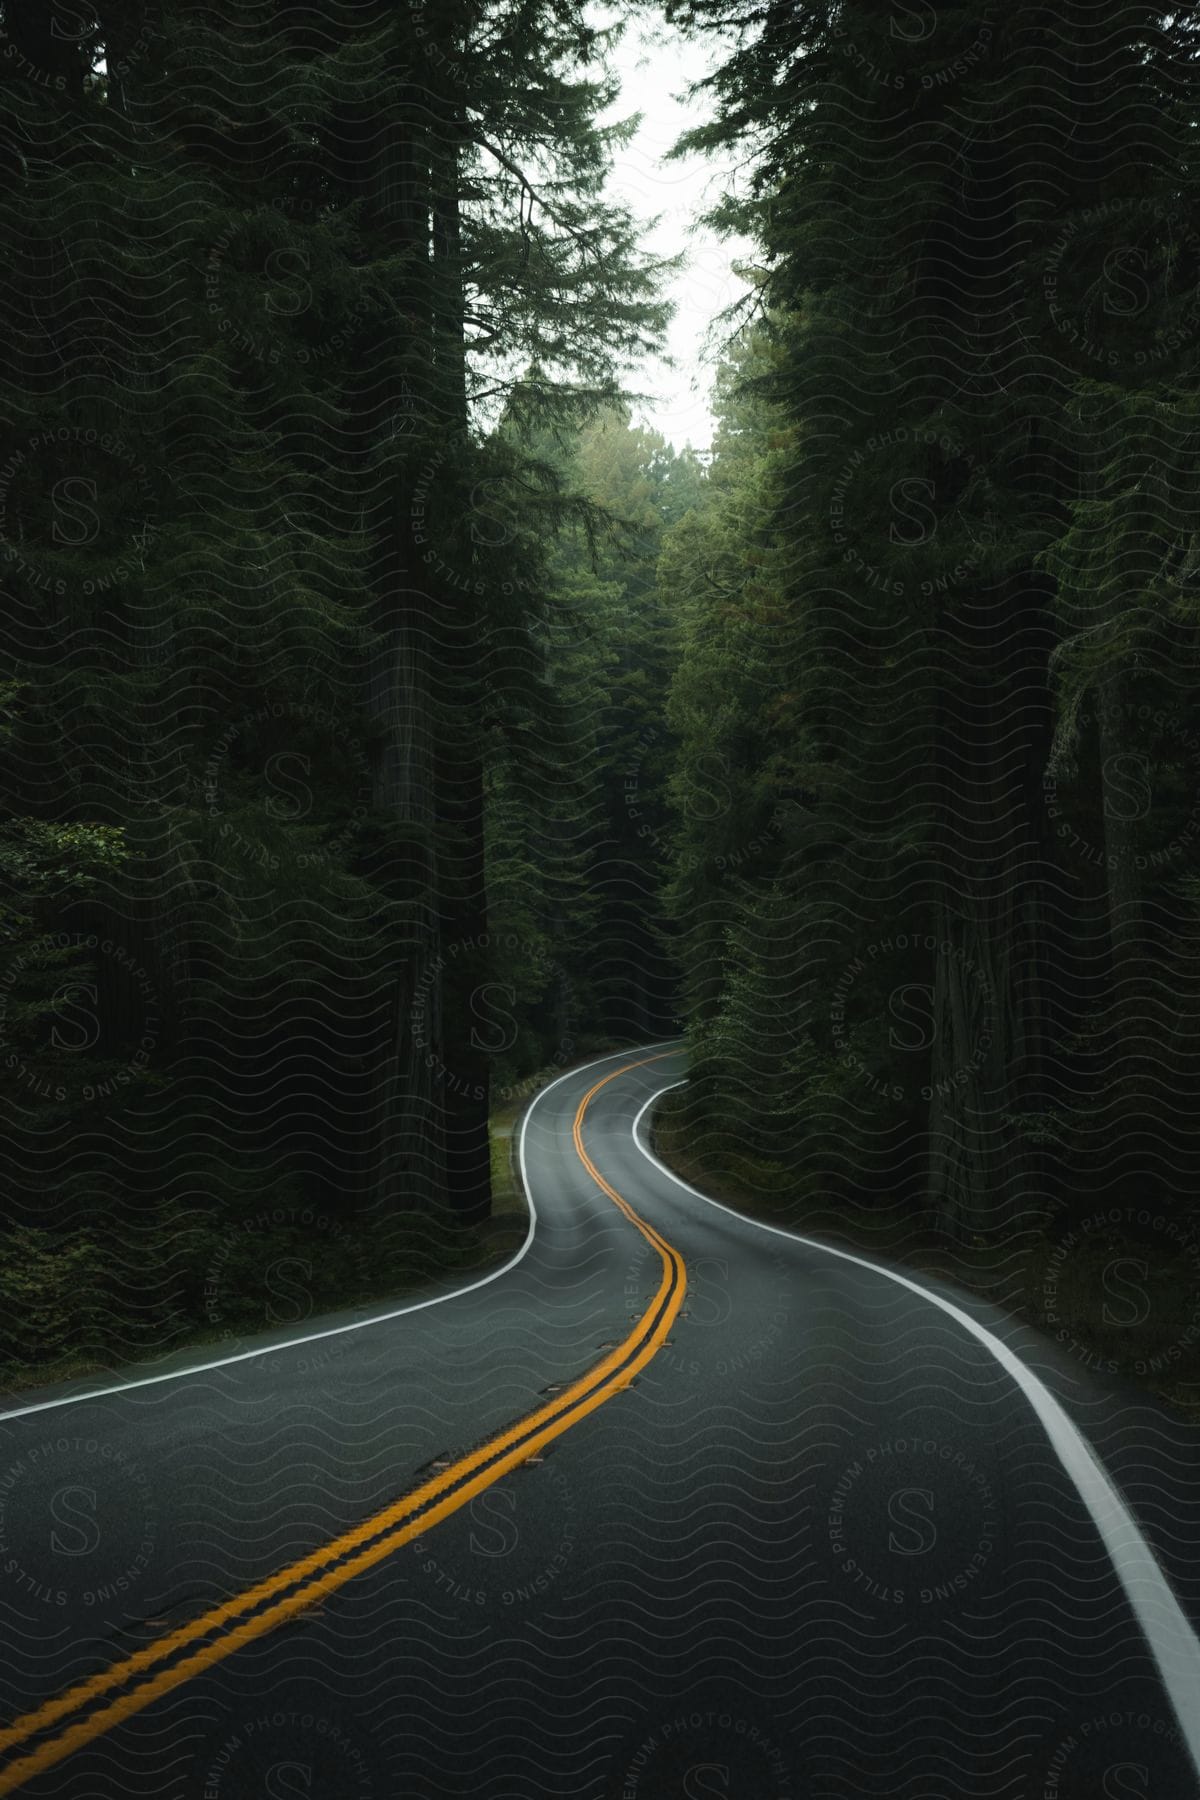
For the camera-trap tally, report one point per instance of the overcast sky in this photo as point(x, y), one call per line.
point(655, 66)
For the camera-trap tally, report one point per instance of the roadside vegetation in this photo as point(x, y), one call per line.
point(388, 715)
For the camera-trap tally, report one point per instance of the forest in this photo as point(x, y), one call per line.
point(389, 719)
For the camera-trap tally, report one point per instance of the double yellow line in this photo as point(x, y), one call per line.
point(86, 1711)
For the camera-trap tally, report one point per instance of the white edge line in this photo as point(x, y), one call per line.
point(1173, 1643)
point(315, 1337)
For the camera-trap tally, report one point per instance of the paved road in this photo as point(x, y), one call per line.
point(795, 1531)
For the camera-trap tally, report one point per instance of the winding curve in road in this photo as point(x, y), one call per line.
point(739, 1515)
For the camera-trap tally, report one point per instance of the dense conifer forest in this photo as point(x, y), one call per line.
point(389, 718)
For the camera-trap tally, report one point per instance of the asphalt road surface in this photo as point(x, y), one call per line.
point(672, 1508)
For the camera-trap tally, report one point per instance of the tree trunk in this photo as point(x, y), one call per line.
point(988, 1020)
point(381, 145)
point(464, 1096)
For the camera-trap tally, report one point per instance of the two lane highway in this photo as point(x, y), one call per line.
point(673, 1506)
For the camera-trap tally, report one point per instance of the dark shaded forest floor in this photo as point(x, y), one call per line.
point(364, 1274)
point(1163, 1357)
point(406, 1270)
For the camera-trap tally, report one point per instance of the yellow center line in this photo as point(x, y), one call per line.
point(367, 1544)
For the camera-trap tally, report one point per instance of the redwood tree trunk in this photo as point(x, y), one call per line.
point(465, 1093)
point(384, 153)
point(988, 1012)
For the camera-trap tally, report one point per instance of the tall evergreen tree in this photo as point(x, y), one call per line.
point(273, 276)
point(930, 195)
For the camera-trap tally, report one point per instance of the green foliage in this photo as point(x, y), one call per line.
point(937, 675)
point(279, 584)
point(52, 1300)
point(592, 780)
